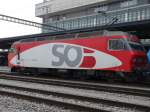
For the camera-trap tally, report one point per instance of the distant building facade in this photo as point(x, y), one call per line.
point(73, 14)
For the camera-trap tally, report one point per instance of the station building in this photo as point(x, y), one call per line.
point(76, 14)
point(71, 14)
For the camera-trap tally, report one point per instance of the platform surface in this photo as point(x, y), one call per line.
point(4, 69)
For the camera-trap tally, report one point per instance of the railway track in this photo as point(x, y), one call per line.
point(70, 100)
point(50, 101)
point(123, 89)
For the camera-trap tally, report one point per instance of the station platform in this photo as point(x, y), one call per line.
point(4, 69)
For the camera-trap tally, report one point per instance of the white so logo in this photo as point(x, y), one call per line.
point(71, 55)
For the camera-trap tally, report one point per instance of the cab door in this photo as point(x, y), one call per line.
point(18, 55)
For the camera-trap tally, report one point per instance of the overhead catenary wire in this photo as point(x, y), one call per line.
point(30, 23)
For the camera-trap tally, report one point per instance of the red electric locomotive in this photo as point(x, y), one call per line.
point(99, 51)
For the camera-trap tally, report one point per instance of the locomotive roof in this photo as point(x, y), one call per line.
point(75, 35)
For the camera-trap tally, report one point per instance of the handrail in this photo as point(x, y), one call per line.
point(131, 14)
point(125, 9)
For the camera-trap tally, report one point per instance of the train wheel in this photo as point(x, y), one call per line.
point(130, 77)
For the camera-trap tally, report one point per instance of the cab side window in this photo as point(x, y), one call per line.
point(117, 44)
point(12, 50)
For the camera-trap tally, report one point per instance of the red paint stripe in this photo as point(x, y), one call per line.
point(88, 62)
point(88, 51)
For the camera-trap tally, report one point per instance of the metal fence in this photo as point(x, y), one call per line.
point(132, 14)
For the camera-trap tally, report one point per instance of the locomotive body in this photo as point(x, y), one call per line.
point(100, 51)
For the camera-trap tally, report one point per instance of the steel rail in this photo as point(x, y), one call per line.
point(90, 86)
point(50, 102)
point(78, 97)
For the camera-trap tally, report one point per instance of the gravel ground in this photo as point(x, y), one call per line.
point(101, 84)
point(74, 101)
point(9, 104)
point(91, 93)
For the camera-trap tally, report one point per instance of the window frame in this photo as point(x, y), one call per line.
point(128, 3)
point(12, 50)
point(110, 49)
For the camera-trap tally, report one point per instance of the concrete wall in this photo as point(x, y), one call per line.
point(55, 10)
point(53, 6)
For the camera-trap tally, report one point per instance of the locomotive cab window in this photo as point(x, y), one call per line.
point(136, 46)
point(12, 50)
point(117, 44)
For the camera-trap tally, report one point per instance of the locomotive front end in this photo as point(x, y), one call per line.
point(13, 52)
point(128, 49)
point(139, 58)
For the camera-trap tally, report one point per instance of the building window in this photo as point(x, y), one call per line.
point(101, 8)
point(128, 3)
point(48, 8)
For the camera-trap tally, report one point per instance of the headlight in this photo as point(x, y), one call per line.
point(138, 60)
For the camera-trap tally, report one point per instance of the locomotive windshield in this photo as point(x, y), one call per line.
point(134, 43)
point(136, 46)
point(123, 44)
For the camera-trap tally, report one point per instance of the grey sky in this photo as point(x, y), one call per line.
point(24, 9)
